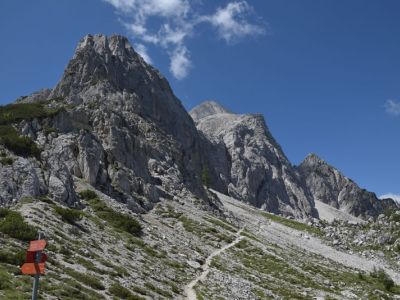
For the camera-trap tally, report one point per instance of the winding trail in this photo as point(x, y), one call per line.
point(189, 289)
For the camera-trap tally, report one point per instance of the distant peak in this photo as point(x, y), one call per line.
point(313, 159)
point(208, 108)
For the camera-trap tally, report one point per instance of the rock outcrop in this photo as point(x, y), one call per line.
point(247, 163)
point(119, 126)
point(330, 186)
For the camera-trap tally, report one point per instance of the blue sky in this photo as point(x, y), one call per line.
point(325, 74)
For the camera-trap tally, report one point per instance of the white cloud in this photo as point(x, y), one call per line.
point(392, 107)
point(142, 50)
point(392, 196)
point(231, 22)
point(180, 63)
point(169, 23)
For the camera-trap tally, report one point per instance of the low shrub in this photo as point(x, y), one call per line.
point(88, 194)
point(121, 292)
point(6, 161)
point(86, 279)
point(383, 277)
point(20, 145)
point(16, 258)
point(13, 224)
point(69, 215)
point(116, 219)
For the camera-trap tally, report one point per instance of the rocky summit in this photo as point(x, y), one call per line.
point(139, 199)
point(330, 186)
point(249, 164)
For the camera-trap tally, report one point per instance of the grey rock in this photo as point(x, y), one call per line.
point(248, 163)
point(121, 129)
point(38, 96)
point(21, 179)
point(330, 186)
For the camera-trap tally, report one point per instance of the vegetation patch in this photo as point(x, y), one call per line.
point(69, 215)
point(86, 279)
point(158, 290)
point(12, 223)
point(20, 145)
point(292, 223)
point(383, 277)
point(222, 224)
point(121, 292)
point(13, 256)
point(116, 219)
point(6, 161)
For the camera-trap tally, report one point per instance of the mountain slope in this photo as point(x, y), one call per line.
point(118, 126)
point(330, 186)
point(248, 164)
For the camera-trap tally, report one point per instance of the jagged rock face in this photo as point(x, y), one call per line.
point(21, 179)
point(330, 186)
point(248, 164)
point(122, 129)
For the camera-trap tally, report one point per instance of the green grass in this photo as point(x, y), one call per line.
point(121, 292)
point(69, 215)
point(13, 256)
point(157, 290)
point(116, 219)
point(222, 224)
point(87, 279)
point(12, 223)
point(13, 113)
point(383, 277)
point(88, 195)
point(292, 223)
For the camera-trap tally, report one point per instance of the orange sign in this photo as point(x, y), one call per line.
point(31, 256)
point(38, 245)
point(32, 269)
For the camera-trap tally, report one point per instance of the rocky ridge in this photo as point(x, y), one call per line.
point(248, 164)
point(330, 186)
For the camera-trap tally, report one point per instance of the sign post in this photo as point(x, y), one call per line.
point(35, 263)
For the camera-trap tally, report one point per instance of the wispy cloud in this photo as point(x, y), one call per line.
point(392, 107)
point(142, 50)
point(169, 23)
point(395, 197)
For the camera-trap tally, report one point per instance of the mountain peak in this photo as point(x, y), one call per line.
point(313, 159)
point(107, 64)
point(208, 108)
point(115, 44)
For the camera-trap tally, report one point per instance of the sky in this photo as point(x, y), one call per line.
point(325, 74)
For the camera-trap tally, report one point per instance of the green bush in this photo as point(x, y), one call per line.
point(12, 258)
point(6, 161)
point(20, 145)
point(69, 215)
point(13, 224)
point(13, 113)
point(121, 292)
point(88, 194)
point(383, 277)
point(116, 219)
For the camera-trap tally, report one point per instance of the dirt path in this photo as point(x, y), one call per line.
point(189, 289)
